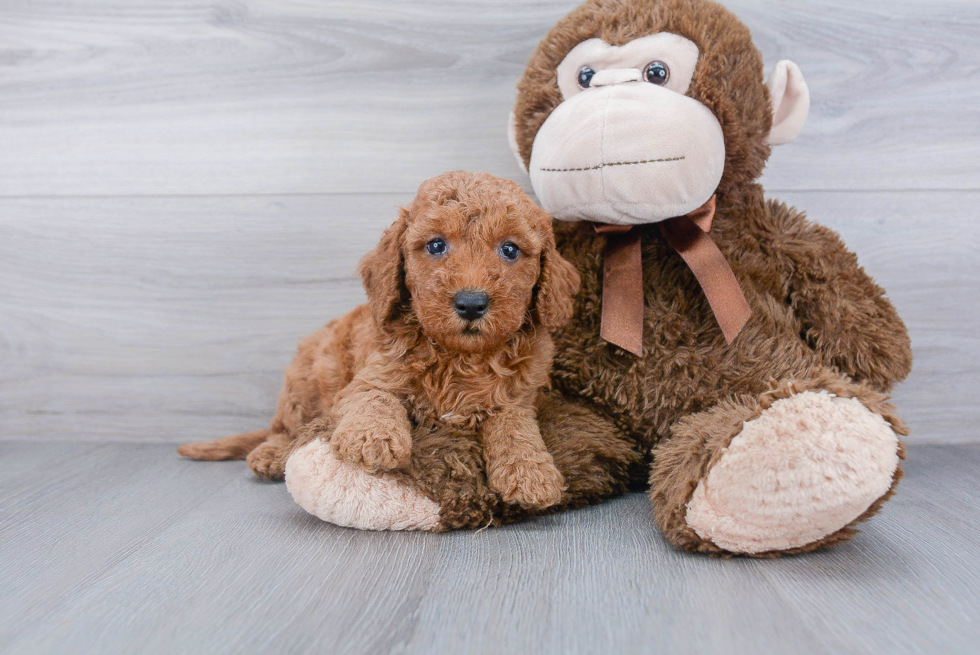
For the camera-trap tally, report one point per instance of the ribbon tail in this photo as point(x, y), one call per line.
point(622, 293)
point(712, 270)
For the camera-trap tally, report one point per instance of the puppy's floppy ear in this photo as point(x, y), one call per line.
point(383, 273)
point(557, 286)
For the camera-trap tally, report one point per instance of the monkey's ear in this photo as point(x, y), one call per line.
point(383, 273)
point(557, 286)
point(512, 140)
point(790, 102)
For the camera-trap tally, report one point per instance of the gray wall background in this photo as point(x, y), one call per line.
point(185, 188)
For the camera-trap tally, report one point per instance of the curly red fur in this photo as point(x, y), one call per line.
point(407, 356)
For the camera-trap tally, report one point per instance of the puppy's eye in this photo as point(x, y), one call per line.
point(657, 73)
point(436, 247)
point(585, 77)
point(509, 251)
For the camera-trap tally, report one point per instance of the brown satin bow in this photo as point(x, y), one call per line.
point(622, 277)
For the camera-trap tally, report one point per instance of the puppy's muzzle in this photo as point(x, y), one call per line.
point(471, 305)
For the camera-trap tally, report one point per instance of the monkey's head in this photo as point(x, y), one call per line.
point(635, 111)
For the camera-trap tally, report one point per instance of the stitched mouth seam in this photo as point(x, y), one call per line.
point(614, 163)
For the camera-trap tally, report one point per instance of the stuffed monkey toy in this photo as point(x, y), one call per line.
point(725, 352)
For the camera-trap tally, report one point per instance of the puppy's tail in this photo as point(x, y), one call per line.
point(236, 446)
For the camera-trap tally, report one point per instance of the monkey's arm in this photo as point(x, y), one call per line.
point(846, 316)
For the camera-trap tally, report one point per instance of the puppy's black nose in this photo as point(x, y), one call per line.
point(471, 305)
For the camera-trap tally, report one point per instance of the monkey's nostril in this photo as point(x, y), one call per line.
point(471, 305)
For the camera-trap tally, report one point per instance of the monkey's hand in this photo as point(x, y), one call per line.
point(846, 317)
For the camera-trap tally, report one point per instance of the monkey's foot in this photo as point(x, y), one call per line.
point(810, 465)
point(344, 494)
point(790, 471)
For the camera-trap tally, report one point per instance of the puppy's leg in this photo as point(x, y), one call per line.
point(267, 461)
point(235, 446)
point(373, 430)
point(519, 466)
point(312, 382)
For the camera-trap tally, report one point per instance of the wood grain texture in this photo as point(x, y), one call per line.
point(173, 318)
point(131, 549)
point(175, 324)
point(66, 521)
point(230, 97)
point(919, 563)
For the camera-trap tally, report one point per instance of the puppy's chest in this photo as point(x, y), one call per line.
point(464, 395)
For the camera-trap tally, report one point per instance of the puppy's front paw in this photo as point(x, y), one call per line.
point(373, 445)
point(528, 483)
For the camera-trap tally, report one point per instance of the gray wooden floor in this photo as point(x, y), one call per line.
point(125, 548)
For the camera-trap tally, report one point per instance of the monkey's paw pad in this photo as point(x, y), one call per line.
point(808, 466)
point(344, 494)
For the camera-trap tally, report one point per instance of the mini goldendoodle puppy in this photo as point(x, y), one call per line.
point(463, 292)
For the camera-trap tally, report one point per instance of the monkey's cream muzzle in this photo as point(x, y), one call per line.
point(623, 149)
point(626, 152)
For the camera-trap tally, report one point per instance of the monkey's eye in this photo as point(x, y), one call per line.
point(509, 251)
point(436, 247)
point(585, 77)
point(657, 73)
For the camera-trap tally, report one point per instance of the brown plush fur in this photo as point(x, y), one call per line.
point(819, 322)
point(448, 464)
point(407, 358)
